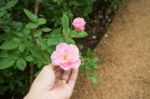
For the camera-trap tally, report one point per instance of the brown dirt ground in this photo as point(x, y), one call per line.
point(125, 57)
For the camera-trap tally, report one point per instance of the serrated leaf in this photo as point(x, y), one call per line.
point(10, 4)
point(41, 21)
point(46, 29)
point(30, 15)
point(7, 62)
point(8, 45)
point(21, 64)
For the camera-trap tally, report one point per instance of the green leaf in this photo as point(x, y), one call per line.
point(54, 41)
point(92, 77)
point(8, 45)
point(33, 49)
point(26, 31)
point(7, 73)
point(29, 58)
point(46, 29)
point(7, 62)
point(11, 4)
point(42, 43)
point(31, 26)
point(38, 33)
point(41, 21)
point(70, 40)
point(35, 52)
point(31, 16)
point(21, 64)
point(3, 53)
point(2, 13)
point(67, 33)
point(80, 34)
point(56, 33)
point(65, 23)
point(90, 53)
point(17, 25)
point(2, 2)
point(22, 47)
point(18, 40)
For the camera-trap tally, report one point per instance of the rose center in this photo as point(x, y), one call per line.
point(65, 57)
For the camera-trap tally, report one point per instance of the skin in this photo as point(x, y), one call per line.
point(53, 83)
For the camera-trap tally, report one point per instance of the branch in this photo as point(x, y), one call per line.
point(36, 10)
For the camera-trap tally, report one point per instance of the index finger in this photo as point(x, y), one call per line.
point(73, 78)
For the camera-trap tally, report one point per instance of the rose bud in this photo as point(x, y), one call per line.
point(79, 24)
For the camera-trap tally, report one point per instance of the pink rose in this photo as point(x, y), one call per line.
point(79, 24)
point(66, 56)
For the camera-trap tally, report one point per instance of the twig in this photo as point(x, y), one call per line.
point(36, 10)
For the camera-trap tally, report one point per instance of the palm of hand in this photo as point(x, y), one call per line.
point(53, 83)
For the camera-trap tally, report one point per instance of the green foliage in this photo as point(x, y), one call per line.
point(31, 16)
point(89, 64)
point(10, 4)
point(7, 62)
point(29, 42)
point(71, 7)
point(9, 45)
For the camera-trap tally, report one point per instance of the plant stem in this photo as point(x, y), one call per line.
point(31, 73)
point(36, 10)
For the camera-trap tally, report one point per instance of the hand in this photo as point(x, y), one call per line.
point(53, 83)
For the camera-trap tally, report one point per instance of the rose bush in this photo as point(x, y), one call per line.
point(26, 47)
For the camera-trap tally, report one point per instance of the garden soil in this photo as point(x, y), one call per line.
point(124, 52)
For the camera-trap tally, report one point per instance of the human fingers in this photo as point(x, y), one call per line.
point(66, 76)
point(56, 68)
point(73, 78)
point(59, 73)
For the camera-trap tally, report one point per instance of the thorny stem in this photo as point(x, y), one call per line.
point(36, 10)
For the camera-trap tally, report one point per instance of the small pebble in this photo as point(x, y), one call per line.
point(94, 37)
point(109, 20)
point(106, 35)
point(107, 17)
